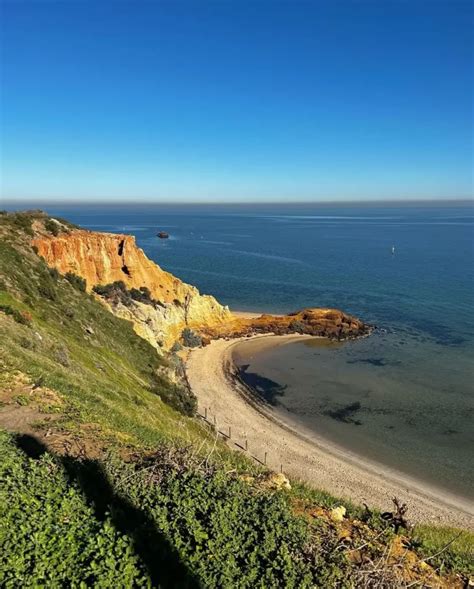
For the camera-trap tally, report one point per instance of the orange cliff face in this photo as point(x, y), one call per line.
point(103, 258)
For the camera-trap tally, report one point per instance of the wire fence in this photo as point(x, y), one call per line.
point(241, 442)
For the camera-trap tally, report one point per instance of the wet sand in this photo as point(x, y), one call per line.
point(303, 455)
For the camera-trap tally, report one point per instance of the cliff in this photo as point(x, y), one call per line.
point(104, 258)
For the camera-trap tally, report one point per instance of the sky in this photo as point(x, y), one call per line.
point(236, 101)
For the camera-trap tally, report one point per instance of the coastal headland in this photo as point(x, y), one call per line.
point(166, 306)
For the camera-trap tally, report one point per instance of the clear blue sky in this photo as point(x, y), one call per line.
point(237, 101)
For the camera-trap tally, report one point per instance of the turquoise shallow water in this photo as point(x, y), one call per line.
point(410, 384)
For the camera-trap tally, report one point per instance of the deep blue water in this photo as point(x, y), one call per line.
point(281, 258)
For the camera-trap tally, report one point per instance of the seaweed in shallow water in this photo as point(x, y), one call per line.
point(345, 414)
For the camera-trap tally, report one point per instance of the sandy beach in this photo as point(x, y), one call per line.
point(303, 455)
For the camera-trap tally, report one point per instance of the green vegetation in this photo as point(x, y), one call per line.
point(118, 292)
point(446, 548)
point(19, 316)
point(94, 360)
point(50, 536)
point(190, 338)
point(76, 281)
point(158, 500)
point(52, 226)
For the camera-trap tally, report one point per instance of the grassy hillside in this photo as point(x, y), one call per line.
point(106, 480)
point(66, 340)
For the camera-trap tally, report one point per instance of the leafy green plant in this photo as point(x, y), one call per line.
point(50, 537)
point(76, 281)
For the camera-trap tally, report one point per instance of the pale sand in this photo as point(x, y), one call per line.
point(304, 456)
point(246, 314)
point(252, 315)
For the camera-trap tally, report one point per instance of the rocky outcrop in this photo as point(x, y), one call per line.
point(330, 323)
point(103, 258)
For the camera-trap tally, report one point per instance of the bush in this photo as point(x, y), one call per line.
point(53, 272)
point(118, 292)
point(61, 356)
point(177, 347)
point(142, 294)
point(27, 344)
point(180, 398)
point(115, 292)
point(52, 226)
point(23, 221)
point(220, 530)
point(76, 281)
point(22, 317)
point(46, 287)
point(190, 338)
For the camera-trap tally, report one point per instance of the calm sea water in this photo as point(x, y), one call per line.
point(404, 396)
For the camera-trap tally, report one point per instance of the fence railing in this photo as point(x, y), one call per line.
point(240, 442)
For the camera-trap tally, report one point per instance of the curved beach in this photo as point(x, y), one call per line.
point(303, 455)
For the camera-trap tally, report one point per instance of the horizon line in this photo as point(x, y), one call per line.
point(132, 202)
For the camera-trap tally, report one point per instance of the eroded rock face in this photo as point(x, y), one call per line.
point(103, 258)
point(330, 323)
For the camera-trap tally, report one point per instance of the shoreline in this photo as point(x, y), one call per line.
point(305, 456)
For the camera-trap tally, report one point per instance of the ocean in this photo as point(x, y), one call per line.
point(402, 397)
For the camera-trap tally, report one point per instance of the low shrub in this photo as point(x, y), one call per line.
point(22, 221)
point(178, 397)
point(115, 292)
point(61, 355)
point(50, 537)
point(27, 344)
point(142, 294)
point(22, 317)
point(53, 272)
point(190, 338)
point(46, 286)
point(118, 292)
point(76, 281)
point(52, 226)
